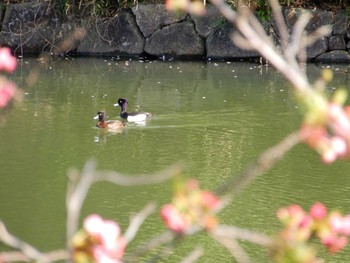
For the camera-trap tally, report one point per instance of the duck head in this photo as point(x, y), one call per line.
point(123, 103)
point(100, 116)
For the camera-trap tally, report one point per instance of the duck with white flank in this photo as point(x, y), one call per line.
point(132, 116)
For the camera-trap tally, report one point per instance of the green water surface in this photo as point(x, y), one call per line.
point(214, 117)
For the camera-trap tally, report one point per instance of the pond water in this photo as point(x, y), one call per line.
point(214, 117)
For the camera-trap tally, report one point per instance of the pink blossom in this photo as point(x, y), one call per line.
point(292, 211)
point(336, 222)
point(340, 224)
point(173, 219)
point(192, 184)
point(334, 243)
point(318, 211)
point(346, 226)
point(338, 144)
point(339, 121)
point(7, 92)
point(102, 256)
point(209, 200)
point(7, 61)
point(108, 243)
point(328, 156)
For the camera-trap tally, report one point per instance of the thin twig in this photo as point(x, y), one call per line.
point(233, 247)
point(264, 162)
point(297, 36)
point(24, 247)
point(18, 256)
point(298, 80)
point(135, 180)
point(157, 241)
point(79, 187)
point(281, 24)
point(77, 197)
point(193, 256)
point(242, 234)
point(137, 221)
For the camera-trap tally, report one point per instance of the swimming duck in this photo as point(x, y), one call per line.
point(110, 125)
point(133, 116)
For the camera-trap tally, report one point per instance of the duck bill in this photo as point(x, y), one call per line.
point(96, 117)
point(117, 104)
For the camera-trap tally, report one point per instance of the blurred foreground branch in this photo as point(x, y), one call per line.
point(265, 161)
point(254, 37)
point(79, 185)
point(26, 252)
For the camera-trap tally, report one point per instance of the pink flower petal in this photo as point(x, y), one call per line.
point(93, 224)
point(338, 145)
point(7, 61)
point(209, 200)
point(318, 211)
point(7, 92)
point(346, 226)
point(110, 232)
point(329, 156)
point(173, 219)
point(336, 222)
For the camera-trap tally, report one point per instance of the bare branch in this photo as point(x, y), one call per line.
point(78, 188)
point(316, 35)
point(193, 256)
point(253, 35)
point(143, 179)
point(24, 247)
point(163, 238)
point(295, 45)
point(77, 197)
point(233, 247)
point(18, 256)
point(281, 25)
point(264, 162)
point(137, 221)
point(242, 234)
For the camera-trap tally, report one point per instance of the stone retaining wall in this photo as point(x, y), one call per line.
point(149, 30)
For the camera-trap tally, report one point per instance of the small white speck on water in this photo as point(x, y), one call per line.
point(203, 97)
point(281, 90)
